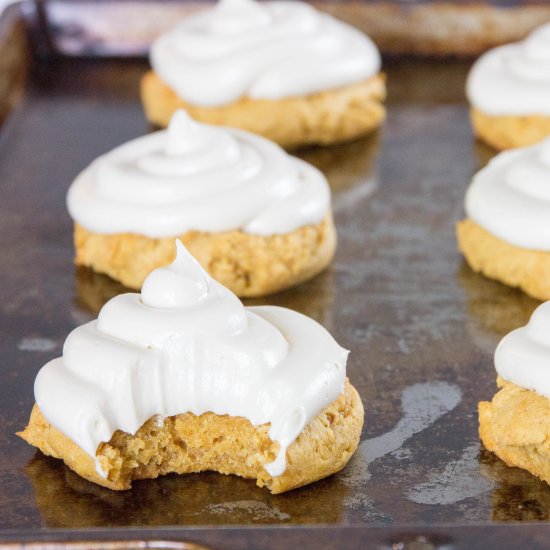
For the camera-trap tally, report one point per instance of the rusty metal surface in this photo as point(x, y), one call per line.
point(420, 326)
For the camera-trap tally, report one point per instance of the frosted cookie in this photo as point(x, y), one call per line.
point(257, 219)
point(183, 378)
point(506, 235)
point(509, 92)
point(515, 425)
point(442, 28)
point(282, 70)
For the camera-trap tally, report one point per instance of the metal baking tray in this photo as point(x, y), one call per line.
point(420, 325)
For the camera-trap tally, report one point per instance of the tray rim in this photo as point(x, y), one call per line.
point(443, 536)
point(31, 13)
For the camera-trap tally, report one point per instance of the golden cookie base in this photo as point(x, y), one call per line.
point(509, 132)
point(515, 426)
point(322, 118)
point(517, 267)
point(249, 265)
point(229, 445)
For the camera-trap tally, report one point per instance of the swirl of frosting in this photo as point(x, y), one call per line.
point(198, 177)
point(187, 344)
point(513, 79)
point(510, 197)
point(267, 50)
point(522, 357)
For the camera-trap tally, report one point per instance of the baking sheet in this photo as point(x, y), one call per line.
point(420, 325)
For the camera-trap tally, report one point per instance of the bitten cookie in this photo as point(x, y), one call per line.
point(509, 92)
point(515, 425)
point(506, 235)
point(257, 219)
point(279, 69)
point(186, 443)
point(182, 378)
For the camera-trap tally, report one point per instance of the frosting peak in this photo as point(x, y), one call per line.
point(198, 177)
point(262, 50)
point(510, 197)
point(181, 284)
point(186, 136)
point(191, 148)
point(513, 79)
point(187, 344)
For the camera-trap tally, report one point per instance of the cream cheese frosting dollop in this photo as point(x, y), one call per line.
point(261, 50)
point(513, 79)
point(198, 177)
point(510, 197)
point(187, 344)
point(523, 356)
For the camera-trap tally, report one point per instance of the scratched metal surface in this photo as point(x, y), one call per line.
point(420, 326)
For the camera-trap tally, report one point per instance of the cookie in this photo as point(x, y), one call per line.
point(506, 235)
point(509, 91)
point(256, 218)
point(444, 28)
point(515, 424)
point(281, 70)
point(183, 378)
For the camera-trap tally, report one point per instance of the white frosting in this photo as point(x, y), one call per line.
point(263, 50)
point(510, 197)
point(187, 344)
point(523, 356)
point(198, 177)
point(513, 79)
